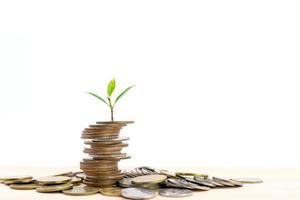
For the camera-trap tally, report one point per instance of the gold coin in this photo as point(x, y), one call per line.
point(115, 123)
point(149, 179)
point(54, 188)
point(18, 181)
point(64, 174)
point(100, 184)
point(11, 178)
point(49, 180)
point(105, 177)
point(111, 191)
point(81, 190)
point(29, 186)
point(76, 180)
point(190, 174)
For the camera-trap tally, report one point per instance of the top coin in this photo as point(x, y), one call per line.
point(49, 180)
point(116, 122)
point(149, 179)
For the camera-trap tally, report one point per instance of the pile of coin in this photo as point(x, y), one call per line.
point(141, 182)
point(137, 183)
point(103, 146)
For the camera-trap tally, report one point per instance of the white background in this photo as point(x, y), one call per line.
point(217, 81)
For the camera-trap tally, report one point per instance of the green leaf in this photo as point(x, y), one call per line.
point(122, 94)
point(111, 87)
point(98, 97)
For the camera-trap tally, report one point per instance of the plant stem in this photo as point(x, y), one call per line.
point(112, 114)
point(111, 110)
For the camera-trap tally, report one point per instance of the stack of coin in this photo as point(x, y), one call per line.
point(103, 146)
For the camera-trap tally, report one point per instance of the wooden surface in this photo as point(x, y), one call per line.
point(283, 184)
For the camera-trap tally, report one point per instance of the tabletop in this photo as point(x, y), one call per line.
point(279, 183)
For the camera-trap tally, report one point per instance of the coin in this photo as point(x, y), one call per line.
point(29, 186)
point(125, 182)
point(165, 172)
point(76, 180)
point(182, 183)
point(54, 188)
point(102, 152)
point(190, 174)
point(227, 182)
point(11, 178)
point(30, 180)
point(104, 139)
point(146, 179)
point(247, 180)
point(100, 184)
point(111, 191)
point(80, 175)
point(81, 190)
point(107, 177)
point(106, 144)
point(216, 184)
point(111, 157)
point(116, 123)
point(49, 180)
point(64, 174)
point(138, 193)
point(172, 192)
point(199, 182)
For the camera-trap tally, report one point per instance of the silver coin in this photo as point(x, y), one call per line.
point(247, 180)
point(138, 193)
point(125, 182)
point(173, 192)
point(199, 182)
point(146, 171)
point(208, 180)
point(181, 183)
point(227, 182)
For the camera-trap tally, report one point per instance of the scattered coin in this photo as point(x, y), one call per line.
point(138, 193)
point(54, 188)
point(149, 179)
point(208, 180)
point(166, 173)
point(30, 180)
point(199, 182)
point(172, 192)
point(125, 182)
point(76, 181)
point(29, 186)
point(81, 190)
point(111, 191)
point(247, 180)
point(64, 174)
point(182, 183)
point(190, 174)
point(227, 182)
point(12, 178)
point(49, 180)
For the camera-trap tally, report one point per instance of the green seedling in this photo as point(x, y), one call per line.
point(109, 102)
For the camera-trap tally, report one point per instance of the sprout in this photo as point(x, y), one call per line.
point(109, 102)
